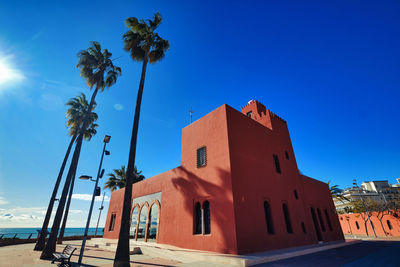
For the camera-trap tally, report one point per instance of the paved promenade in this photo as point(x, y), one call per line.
point(23, 255)
point(365, 253)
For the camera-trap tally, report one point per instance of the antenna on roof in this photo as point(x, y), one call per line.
point(191, 113)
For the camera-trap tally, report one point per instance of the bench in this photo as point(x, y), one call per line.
point(65, 256)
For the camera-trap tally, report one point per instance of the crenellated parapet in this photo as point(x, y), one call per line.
point(258, 112)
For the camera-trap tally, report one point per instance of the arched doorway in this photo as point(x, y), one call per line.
point(154, 221)
point(143, 213)
point(134, 221)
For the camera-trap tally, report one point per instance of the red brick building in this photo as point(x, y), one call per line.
point(238, 190)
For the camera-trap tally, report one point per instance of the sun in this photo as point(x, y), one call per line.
point(8, 74)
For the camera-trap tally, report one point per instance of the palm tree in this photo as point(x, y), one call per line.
point(77, 108)
point(144, 45)
point(117, 180)
point(75, 114)
point(99, 71)
point(337, 193)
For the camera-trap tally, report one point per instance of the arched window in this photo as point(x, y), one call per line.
point(197, 218)
point(389, 224)
point(207, 219)
point(287, 218)
point(277, 165)
point(328, 220)
point(357, 225)
point(268, 218)
point(321, 220)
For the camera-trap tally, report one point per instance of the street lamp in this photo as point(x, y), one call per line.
point(95, 192)
point(100, 209)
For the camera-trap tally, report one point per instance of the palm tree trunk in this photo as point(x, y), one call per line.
point(71, 189)
point(122, 253)
point(50, 247)
point(42, 237)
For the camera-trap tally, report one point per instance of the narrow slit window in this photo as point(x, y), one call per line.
point(303, 227)
point(389, 224)
point(201, 157)
point(295, 194)
point(357, 225)
point(268, 218)
point(112, 222)
point(328, 220)
point(197, 219)
point(207, 218)
point(287, 218)
point(277, 165)
point(286, 155)
point(321, 221)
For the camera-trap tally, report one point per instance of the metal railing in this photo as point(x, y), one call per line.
point(35, 234)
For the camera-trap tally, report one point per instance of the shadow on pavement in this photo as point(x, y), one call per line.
point(366, 253)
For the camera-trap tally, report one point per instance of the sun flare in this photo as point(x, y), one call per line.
point(8, 74)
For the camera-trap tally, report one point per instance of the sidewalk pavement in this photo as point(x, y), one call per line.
point(372, 238)
point(23, 255)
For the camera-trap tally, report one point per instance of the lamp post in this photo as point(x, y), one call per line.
point(86, 177)
point(101, 208)
point(365, 208)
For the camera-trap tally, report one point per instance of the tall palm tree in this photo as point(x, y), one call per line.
point(99, 71)
point(77, 108)
point(117, 180)
point(75, 115)
point(144, 45)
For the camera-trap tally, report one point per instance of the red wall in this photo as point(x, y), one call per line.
point(239, 176)
point(184, 185)
point(255, 180)
point(349, 226)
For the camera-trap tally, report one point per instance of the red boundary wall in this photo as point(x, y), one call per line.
point(357, 224)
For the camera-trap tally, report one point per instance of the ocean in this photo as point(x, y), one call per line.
point(24, 233)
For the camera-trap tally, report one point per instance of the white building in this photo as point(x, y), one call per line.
point(379, 191)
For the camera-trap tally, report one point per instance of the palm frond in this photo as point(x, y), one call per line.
point(141, 38)
point(94, 64)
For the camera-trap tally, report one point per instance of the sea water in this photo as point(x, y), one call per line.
point(24, 233)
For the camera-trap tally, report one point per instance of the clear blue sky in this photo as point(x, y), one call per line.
point(331, 70)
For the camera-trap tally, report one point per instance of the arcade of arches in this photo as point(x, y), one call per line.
point(145, 217)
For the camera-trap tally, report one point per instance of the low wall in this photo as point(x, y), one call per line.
point(357, 224)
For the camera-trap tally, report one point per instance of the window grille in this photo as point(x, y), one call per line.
point(201, 157)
